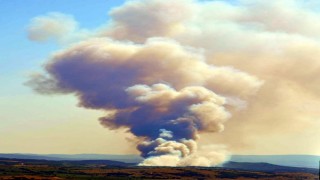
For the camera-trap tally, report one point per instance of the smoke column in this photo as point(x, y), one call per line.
point(161, 90)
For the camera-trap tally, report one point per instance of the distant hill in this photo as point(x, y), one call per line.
point(13, 161)
point(307, 161)
point(60, 157)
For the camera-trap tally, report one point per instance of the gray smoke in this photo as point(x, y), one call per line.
point(165, 93)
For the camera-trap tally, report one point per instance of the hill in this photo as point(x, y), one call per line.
point(59, 157)
point(307, 161)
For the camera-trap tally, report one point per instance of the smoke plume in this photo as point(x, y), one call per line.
point(163, 92)
point(172, 71)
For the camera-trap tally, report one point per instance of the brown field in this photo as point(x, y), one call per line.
point(107, 172)
point(106, 169)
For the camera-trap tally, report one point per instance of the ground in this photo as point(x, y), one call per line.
point(37, 169)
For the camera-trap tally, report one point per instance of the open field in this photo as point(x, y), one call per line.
point(41, 169)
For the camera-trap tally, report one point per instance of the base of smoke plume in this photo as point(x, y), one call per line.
point(206, 156)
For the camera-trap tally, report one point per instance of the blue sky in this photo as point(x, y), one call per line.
point(20, 114)
point(19, 55)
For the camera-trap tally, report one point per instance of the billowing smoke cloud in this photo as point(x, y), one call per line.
point(172, 71)
point(161, 91)
point(159, 18)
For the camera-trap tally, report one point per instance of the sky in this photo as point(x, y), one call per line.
point(90, 76)
point(32, 123)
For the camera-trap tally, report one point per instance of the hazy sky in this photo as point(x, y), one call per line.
point(267, 54)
